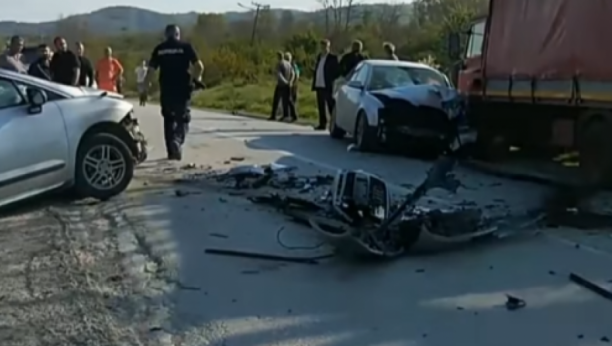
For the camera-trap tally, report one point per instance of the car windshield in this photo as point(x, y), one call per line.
point(386, 77)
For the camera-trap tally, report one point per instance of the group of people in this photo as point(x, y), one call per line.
point(180, 72)
point(65, 66)
point(327, 69)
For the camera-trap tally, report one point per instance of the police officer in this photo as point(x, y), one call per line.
point(174, 58)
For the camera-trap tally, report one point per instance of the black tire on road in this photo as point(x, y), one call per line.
point(364, 135)
point(82, 186)
point(334, 131)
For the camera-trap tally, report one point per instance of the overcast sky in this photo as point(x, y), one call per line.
point(46, 10)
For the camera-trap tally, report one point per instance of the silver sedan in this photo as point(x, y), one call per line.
point(54, 136)
point(384, 100)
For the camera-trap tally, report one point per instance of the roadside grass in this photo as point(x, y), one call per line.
point(254, 99)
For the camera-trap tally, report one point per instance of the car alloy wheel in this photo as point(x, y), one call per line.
point(104, 167)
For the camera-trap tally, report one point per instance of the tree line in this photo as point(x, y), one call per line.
point(244, 51)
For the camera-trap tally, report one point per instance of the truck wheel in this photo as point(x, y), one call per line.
point(364, 135)
point(595, 146)
point(104, 167)
point(490, 148)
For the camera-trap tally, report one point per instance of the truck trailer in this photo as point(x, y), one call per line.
point(538, 79)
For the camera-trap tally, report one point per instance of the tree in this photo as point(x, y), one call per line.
point(211, 27)
point(287, 21)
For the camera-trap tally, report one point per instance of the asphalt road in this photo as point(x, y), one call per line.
point(133, 270)
point(454, 298)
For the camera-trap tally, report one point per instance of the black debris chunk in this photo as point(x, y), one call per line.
point(181, 193)
point(269, 257)
point(514, 303)
point(591, 286)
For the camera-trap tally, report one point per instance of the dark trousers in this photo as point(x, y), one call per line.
point(176, 113)
point(325, 99)
point(294, 94)
point(282, 94)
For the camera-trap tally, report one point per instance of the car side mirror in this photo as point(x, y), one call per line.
point(454, 45)
point(355, 84)
point(36, 99)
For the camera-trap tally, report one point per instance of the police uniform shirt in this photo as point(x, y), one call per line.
point(173, 59)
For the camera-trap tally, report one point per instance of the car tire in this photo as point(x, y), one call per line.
point(89, 162)
point(364, 135)
point(334, 131)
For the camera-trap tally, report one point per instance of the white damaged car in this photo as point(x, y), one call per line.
point(397, 104)
point(54, 136)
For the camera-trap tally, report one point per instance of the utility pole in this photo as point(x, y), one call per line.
point(256, 7)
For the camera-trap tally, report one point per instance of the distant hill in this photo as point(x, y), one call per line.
point(121, 19)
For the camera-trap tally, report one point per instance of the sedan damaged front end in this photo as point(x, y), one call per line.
point(425, 113)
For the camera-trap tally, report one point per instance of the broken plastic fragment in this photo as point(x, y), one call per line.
point(514, 303)
point(352, 147)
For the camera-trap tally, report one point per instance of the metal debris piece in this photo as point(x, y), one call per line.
point(262, 256)
point(514, 303)
point(180, 193)
point(591, 286)
point(352, 147)
point(254, 176)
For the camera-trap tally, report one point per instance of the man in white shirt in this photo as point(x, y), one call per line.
point(326, 72)
point(141, 76)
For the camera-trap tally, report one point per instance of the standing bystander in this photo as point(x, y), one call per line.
point(141, 76)
point(389, 49)
point(108, 71)
point(41, 67)
point(12, 59)
point(296, 81)
point(282, 92)
point(86, 74)
point(65, 65)
point(326, 72)
point(351, 59)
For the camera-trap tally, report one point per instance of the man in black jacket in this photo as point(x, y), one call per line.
point(40, 68)
point(65, 65)
point(326, 71)
point(350, 60)
point(86, 74)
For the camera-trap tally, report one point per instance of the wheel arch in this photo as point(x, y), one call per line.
point(370, 106)
point(114, 128)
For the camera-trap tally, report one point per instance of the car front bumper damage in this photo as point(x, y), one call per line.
point(400, 119)
point(139, 142)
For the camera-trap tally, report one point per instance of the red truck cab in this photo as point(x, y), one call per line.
point(469, 79)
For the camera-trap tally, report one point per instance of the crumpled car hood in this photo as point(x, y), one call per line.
point(421, 95)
